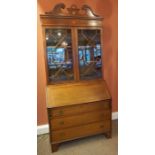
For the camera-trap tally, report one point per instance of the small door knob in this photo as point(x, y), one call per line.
point(50, 116)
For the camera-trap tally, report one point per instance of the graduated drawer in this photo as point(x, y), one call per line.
point(80, 119)
point(80, 131)
point(76, 109)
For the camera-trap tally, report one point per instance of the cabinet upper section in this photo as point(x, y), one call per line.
point(73, 44)
point(72, 16)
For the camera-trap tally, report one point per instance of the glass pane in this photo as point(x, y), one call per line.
point(89, 48)
point(59, 54)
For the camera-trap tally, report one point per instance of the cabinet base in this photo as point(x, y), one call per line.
point(108, 134)
point(54, 147)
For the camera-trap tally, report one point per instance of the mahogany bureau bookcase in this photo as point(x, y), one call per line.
point(78, 100)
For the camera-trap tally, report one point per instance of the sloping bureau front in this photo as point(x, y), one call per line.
point(77, 93)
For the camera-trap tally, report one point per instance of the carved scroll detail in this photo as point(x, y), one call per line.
point(57, 10)
point(89, 12)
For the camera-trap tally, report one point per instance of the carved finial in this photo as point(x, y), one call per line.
point(73, 10)
point(57, 9)
point(89, 11)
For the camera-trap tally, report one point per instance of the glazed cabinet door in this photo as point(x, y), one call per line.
point(89, 53)
point(59, 54)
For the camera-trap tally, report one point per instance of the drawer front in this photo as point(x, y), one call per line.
point(80, 131)
point(80, 119)
point(87, 107)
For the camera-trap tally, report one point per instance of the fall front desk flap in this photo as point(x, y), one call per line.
point(76, 93)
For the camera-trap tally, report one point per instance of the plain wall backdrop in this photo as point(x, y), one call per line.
point(105, 8)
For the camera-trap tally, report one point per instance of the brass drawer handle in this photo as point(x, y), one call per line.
point(61, 112)
point(101, 126)
point(62, 134)
point(61, 122)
